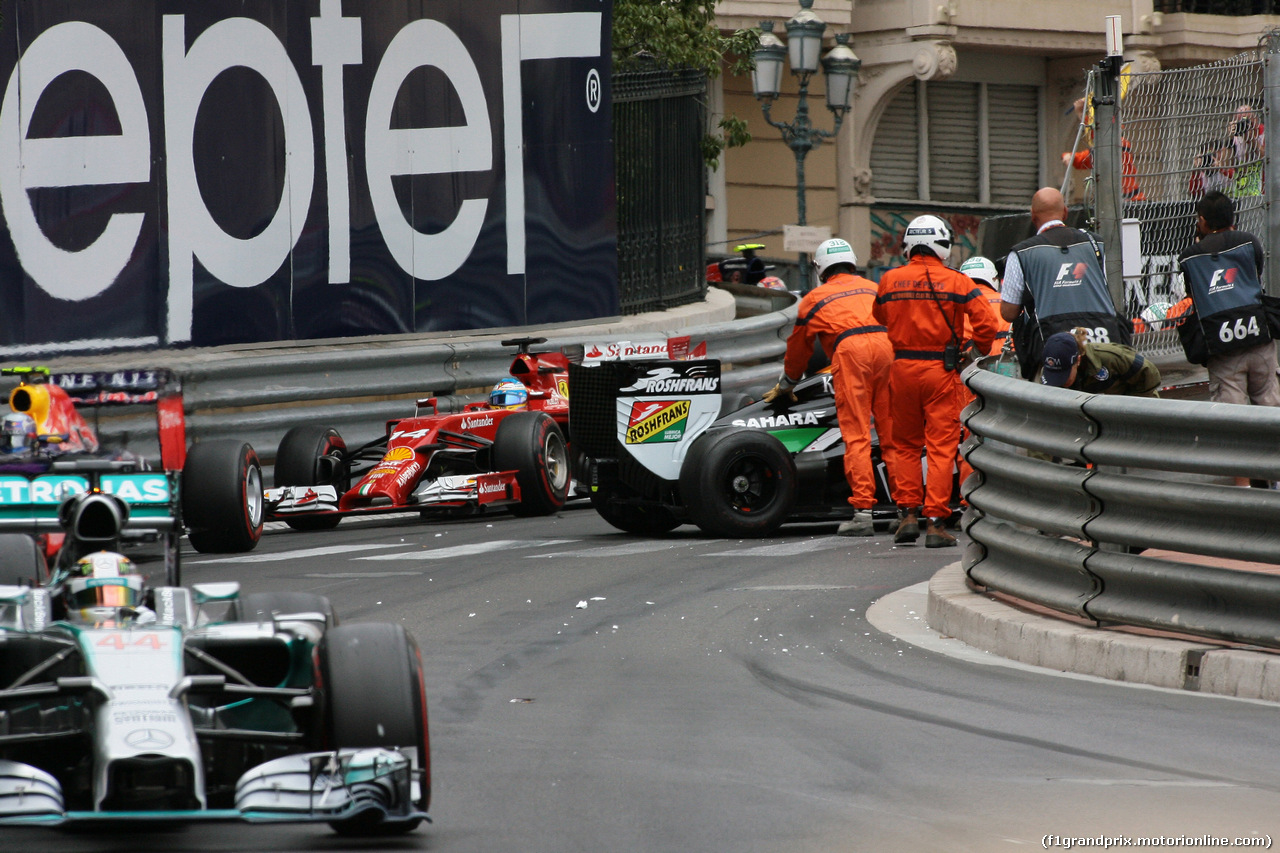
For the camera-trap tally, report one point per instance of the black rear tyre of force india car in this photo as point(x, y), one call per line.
point(531, 444)
point(299, 462)
point(222, 496)
point(738, 483)
point(374, 696)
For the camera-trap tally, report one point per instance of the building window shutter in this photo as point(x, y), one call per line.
point(1014, 113)
point(954, 171)
point(895, 157)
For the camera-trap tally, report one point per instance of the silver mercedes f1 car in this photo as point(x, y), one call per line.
point(122, 703)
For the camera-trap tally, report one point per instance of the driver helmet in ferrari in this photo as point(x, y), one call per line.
point(17, 433)
point(105, 589)
point(509, 393)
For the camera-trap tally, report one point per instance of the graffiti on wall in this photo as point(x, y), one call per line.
point(888, 224)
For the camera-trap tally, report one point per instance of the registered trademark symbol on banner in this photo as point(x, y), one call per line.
point(593, 90)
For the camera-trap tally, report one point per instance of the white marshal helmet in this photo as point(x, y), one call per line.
point(928, 232)
point(981, 269)
point(832, 252)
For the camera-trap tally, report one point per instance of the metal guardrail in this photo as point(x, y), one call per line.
point(1071, 488)
point(257, 395)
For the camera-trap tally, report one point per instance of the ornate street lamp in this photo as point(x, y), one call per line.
point(840, 66)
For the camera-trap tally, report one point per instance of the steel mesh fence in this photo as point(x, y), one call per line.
point(1184, 132)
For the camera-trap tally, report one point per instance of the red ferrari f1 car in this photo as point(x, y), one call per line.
point(485, 455)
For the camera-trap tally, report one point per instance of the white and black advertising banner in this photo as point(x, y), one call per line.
point(202, 172)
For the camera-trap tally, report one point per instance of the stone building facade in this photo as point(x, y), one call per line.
point(961, 107)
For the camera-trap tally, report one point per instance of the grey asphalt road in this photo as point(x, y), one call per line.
point(592, 690)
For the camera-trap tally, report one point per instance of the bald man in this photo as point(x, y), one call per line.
point(1056, 281)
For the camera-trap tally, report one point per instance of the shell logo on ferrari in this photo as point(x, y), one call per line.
point(396, 454)
point(656, 421)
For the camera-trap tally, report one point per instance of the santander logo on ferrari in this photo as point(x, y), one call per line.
point(472, 423)
point(492, 488)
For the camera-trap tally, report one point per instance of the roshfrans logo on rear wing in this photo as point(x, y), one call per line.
point(699, 377)
point(655, 420)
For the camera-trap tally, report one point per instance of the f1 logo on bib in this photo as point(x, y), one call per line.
point(1223, 280)
point(1070, 275)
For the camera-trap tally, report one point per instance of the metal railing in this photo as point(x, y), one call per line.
point(1071, 488)
point(355, 387)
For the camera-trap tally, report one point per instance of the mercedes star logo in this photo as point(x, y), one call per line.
point(149, 739)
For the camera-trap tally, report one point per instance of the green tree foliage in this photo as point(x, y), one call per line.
point(683, 34)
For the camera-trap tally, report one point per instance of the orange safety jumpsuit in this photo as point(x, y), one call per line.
point(838, 312)
point(991, 297)
point(1083, 161)
point(924, 304)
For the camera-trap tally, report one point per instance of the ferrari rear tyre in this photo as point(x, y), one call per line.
point(738, 483)
point(298, 464)
point(222, 496)
point(633, 518)
point(531, 444)
point(373, 696)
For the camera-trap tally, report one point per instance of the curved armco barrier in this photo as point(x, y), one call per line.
point(356, 385)
point(1070, 488)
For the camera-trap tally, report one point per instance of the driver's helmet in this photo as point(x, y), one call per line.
point(509, 393)
point(17, 433)
point(104, 588)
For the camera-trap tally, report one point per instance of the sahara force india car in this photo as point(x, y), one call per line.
point(660, 451)
point(212, 491)
point(122, 705)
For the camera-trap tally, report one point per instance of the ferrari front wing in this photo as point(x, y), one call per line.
point(498, 488)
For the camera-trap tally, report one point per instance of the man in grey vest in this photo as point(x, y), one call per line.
point(1056, 281)
point(1223, 274)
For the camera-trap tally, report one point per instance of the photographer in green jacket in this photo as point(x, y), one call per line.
point(1070, 362)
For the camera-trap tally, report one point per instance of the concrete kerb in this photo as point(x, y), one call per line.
point(957, 610)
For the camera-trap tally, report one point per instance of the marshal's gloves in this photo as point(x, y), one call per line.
point(781, 390)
